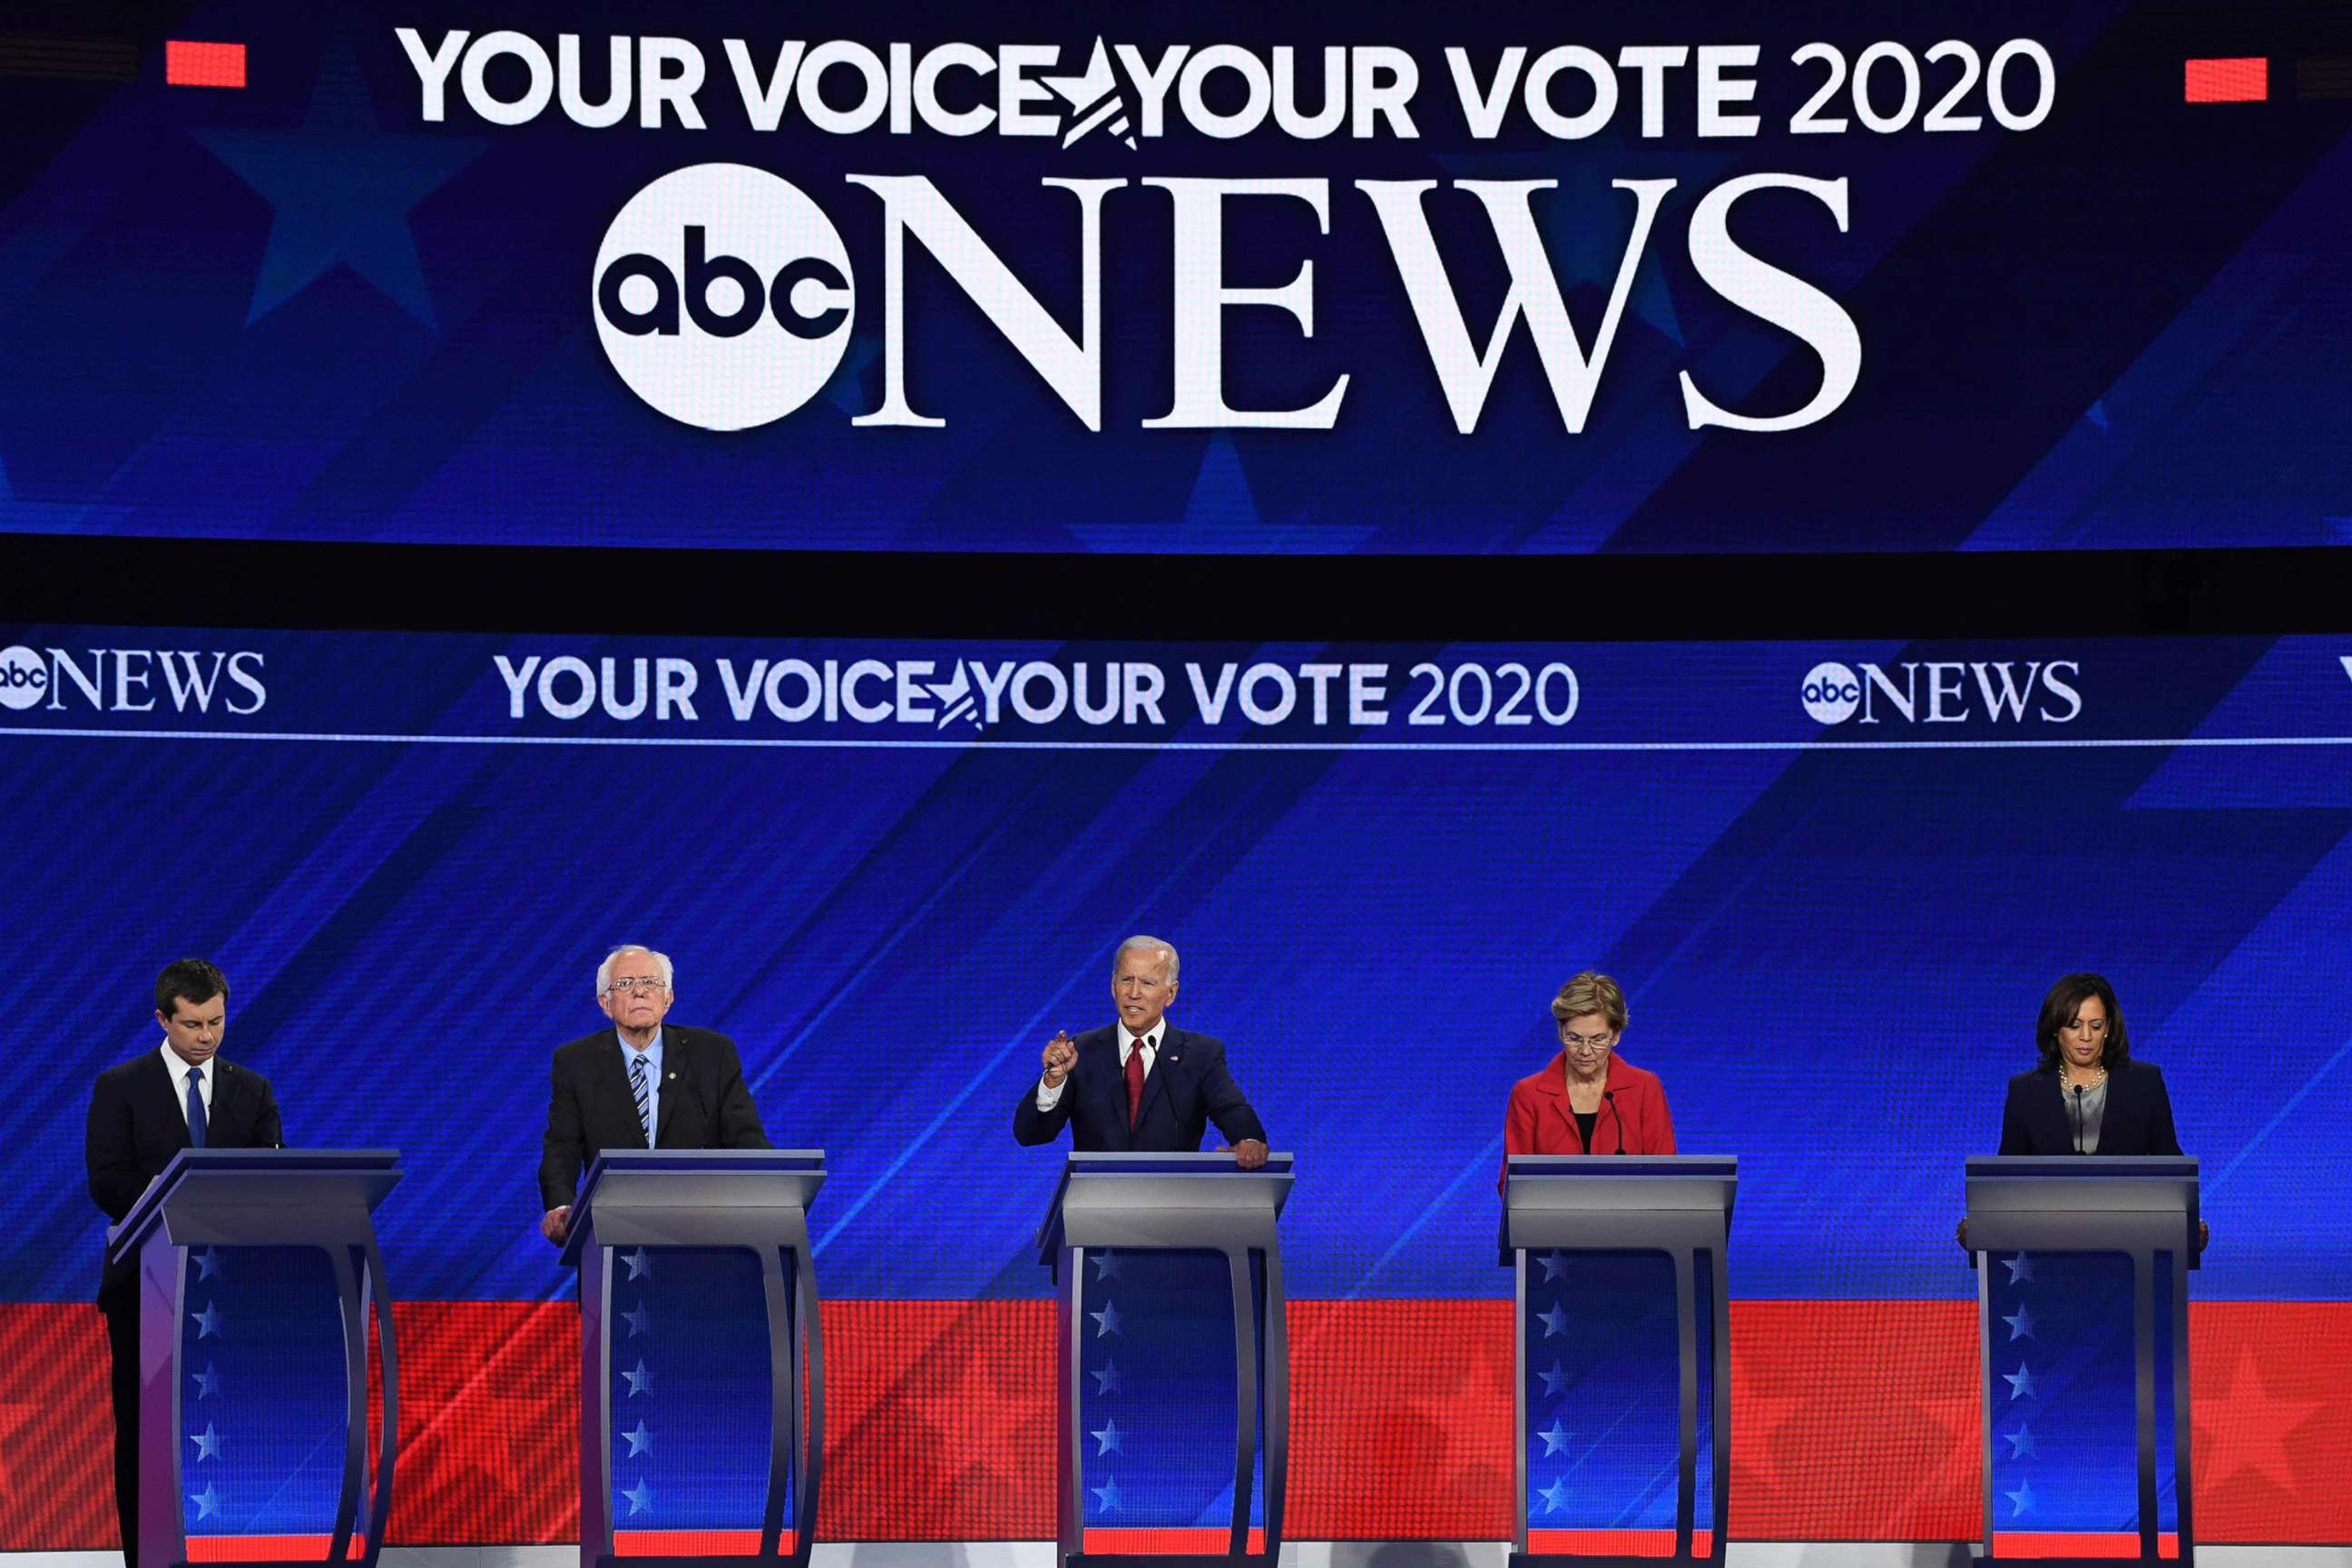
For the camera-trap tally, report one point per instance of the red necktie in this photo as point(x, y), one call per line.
point(1135, 1083)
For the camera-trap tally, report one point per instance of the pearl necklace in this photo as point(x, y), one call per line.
point(2065, 1082)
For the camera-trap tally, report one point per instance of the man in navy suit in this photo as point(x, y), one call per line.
point(1140, 1084)
point(641, 1084)
point(179, 1096)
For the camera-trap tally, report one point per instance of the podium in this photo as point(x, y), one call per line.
point(1172, 1384)
point(258, 1279)
point(698, 1330)
point(2083, 1315)
point(1623, 1336)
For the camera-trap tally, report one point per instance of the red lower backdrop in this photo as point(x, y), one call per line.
point(1851, 1420)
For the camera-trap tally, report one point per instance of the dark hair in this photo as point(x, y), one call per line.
point(196, 980)
point(2058, 1010)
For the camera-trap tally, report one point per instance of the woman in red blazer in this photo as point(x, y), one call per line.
point(1590, 1100)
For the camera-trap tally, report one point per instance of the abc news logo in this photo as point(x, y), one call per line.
point(1946, 691)
point(131, 680)
point(677, 320)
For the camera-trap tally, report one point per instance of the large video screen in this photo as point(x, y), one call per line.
point(1834, 879)
point(1653, 279)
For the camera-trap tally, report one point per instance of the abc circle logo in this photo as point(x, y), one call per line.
point(723, 296)
point(1831, 693)
point(24, 678)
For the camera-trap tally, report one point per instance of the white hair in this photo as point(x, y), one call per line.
point(1146, 944)
point(604, 970)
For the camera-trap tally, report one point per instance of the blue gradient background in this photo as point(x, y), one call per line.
point(299, 311)
point(1834, 955)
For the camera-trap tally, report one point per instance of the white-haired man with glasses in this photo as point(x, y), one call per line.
point(641, 1084)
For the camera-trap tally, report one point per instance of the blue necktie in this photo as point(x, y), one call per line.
point(196, 1108)
point(638, 1087)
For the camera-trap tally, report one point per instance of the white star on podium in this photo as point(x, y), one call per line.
point(208, 1442)
point(2021, 1501)
point(1555, 1496)
point(2020, 1325)
point(207, 1321)
point(1107, 1441)
point(1554, 1321)
point(1555, 1436)
point(2021, 1381)
point(1106, 1495)
point(641, 1497)
point(640, 1262)
point(1105, 1265)
point(640, 1441)
point(639, 1378)
point(1107, 1378)
point(1105, 1320)
point(208, 1501)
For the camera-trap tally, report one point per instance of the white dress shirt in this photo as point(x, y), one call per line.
point(178, 1068)
point(1049, 1095)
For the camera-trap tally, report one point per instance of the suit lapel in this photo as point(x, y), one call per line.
point(1110, 1088)
point(1155, 1085)
point(676, 1055)
point(613, 1072)
point(166, 1099)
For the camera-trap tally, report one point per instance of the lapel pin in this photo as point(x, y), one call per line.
point(673, 1078)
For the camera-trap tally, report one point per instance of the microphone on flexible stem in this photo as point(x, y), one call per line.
point(1610, 1096)
point(2074, 1110)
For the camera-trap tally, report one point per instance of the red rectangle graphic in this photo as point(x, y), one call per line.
point(190, 63)
point(2227, 82)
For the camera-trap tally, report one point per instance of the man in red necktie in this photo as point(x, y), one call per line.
point(1141, 1084)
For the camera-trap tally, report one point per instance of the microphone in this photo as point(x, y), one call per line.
point(2075, 1112)
point(1610, 1096)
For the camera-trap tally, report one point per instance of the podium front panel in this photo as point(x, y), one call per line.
point(261, 1353)
point(1604, 1402)
point(2062, 1469)
point(1157, 1356)
point(692, 1434)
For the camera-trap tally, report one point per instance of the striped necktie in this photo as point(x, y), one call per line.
point(644, 1092)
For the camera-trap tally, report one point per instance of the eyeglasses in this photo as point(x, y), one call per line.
point(647, 984)
point(1587, 1042)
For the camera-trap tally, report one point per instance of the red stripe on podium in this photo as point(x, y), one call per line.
point(2028, 1544)
point(695, 1543)
point(1167, 1542)
point(1616, 1542)
point(267, 1548)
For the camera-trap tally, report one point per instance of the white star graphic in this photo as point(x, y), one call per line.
point(208, 1442)
point(2021, 1269)
point(2020, 1382)
point(2021, 1501)
point(1105, 1265)
point(639, 1378)
point(640, 1441)
point(207, 1321)
point(1107, 1378)
point(1555, 1436)
point(1555, 1496)
point(1105, 1320)
point(639, 1320)
point(1555, 1265)
point(1107, 1441)
point(1554, 1379)
point(2020, 1442)
point(2021, 1324)
point(1554, 1321)
point(641, 1497)
point(1106, 1496)
point(640, 1262)
point(207, 1382)
point(207, 1264)
point(208, 1501)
